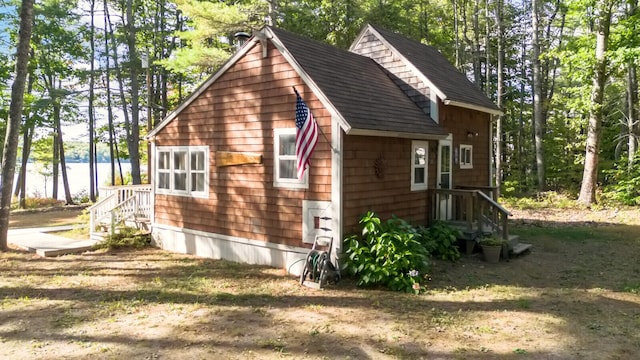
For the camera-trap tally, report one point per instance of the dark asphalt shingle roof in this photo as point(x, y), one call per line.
point(438, 70)
point(359, 88)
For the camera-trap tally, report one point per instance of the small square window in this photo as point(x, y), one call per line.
point(466, 157)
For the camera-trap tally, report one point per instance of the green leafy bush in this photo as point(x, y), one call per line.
point(544, 200)
point(441, 240)
point(624, 183)
point(388, 254)
point(37, 203)
point(127, 237)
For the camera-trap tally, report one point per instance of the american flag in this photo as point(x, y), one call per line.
point(306, 135)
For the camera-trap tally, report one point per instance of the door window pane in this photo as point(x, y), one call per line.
point(445, 153)
point(444, 181)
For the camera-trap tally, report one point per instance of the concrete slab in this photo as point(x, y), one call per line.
point(44, 243)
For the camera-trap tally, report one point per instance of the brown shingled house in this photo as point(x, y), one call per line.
point(402, 132)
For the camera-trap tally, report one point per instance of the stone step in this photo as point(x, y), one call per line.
point(514, 240)
point(520, 248)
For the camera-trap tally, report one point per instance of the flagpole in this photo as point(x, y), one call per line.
point(319, 127)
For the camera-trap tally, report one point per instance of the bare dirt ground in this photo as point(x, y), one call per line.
point(575, 296)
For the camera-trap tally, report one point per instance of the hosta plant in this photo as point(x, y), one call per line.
point(387, 253)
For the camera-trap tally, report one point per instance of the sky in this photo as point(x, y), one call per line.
point(4, 25)
point(71, 132)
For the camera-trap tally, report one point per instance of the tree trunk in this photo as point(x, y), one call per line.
point(133, 130)
point(538, 111)
point(522, 149)
point(632, 100)
point(27, 137)
point(487, 53)
point(477, 65)
point(10, 148)
point(456, 31)
point(123, 99)
point(55, 160)
point(632, 116)
point(93, 175)
point(500, 64)
point(108, 86)
point(21, 189)
point(590, 174)
point(60, 147)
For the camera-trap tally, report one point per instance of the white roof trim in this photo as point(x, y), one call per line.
point(266, 32)
point(307, 79)
point(422, 76)
point(232, 60)
point(396, 134)
point(415, 70)
point(473, 107)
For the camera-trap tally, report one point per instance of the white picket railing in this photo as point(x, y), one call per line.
point(121, 203)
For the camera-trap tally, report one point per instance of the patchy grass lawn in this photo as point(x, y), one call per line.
point(57, 216)
point(575, 296)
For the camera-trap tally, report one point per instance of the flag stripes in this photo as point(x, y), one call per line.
point(306, 135)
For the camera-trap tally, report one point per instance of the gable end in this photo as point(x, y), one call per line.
point(418, 91)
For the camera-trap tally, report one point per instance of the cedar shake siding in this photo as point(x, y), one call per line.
point(390, 194)
point(459, 122)
point(370, 46)
point(451, 84)
point(370, 103)
point(238, 113)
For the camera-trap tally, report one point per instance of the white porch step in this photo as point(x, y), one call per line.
point(520, 248)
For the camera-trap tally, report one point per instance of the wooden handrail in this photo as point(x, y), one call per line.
point(474, 208)
point(121, 202)
point(493, 203)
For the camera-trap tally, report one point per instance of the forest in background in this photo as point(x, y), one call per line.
point(563, 71)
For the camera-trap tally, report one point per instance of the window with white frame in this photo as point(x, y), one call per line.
point(419, 166)
point(182, 170)
point(466, 156)
point(285, 160)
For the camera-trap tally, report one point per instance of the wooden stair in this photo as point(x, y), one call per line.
point(123, 206)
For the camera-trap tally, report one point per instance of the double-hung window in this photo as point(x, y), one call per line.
point(285, 160)
point(182, 170)
point(419, 166)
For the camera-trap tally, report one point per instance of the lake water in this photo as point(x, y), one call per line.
point(39, 185)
